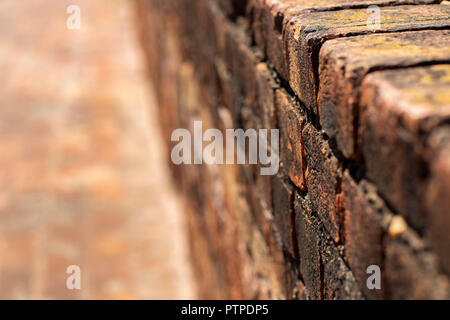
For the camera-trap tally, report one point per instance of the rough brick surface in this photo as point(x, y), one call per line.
point(411, 271)
point(308, 237)
point(323, 174)
point(438, 202)
point(359, 113)
point(324, 272)
point(344, 63)
point(290, 122)
point(307, 32)
point(397, 108)
point(271, 18)
point(283, 199)
point(363, 232)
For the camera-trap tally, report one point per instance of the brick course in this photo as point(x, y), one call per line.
point(361, 147)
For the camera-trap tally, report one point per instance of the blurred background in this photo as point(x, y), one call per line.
point(83, 175)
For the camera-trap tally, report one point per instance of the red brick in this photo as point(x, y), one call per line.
point(294, 286)
point(290, 123)
point(282, 201)
point(323, 175)
point(264, 107)
point(308, 238)
point(397, 109)
point(339, 282)
point(344, 62)
point(306, 32)
point(437, 195)
point(322, 268)
point(252, 248)
point(255, 192)
point(270, 18)
point(410, 271)
point(364, 216)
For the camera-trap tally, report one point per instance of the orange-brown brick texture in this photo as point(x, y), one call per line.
point(364, 121)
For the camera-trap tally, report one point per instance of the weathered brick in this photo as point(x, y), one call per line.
point(242, 68)
point(323, 175)
point(322, 268)
point(339, 282)
point(437, 195)
point(283, 200)
point(292, 285)
point(239, 63)
point(265, 18)
point(363, 229)
point(213, 45)
point(397, 108)
point(344, 62)
point(306, 32)
point(308, 237)
point(268, 249)
point(262, 184)
point(264, 107)
point(279, 258)
point(254, 192)
point(290, 123)
point(410, 271)
point(270, 17)
point(245, 85)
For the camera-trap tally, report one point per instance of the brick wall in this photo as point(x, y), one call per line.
point(364, 120)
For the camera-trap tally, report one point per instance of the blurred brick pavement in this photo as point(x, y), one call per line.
point(83, 180)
